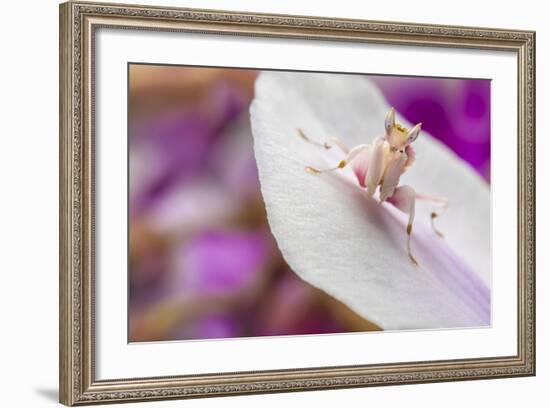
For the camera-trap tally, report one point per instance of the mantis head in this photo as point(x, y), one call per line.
point(398, 136)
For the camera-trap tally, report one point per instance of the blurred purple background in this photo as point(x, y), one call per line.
point(455, 111)
point(203, 263)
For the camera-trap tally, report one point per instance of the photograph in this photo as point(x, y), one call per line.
point(285, 203)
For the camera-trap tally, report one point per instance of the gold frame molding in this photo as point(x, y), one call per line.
point(78, 22)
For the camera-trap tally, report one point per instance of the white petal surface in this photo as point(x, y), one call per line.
point(338, 239)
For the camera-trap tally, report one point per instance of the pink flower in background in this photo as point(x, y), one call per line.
point(220, 262)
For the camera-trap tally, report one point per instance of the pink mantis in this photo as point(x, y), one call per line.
point(378, 167)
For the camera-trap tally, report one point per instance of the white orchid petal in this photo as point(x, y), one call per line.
point(338, 239)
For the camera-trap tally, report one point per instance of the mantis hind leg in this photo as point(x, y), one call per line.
point(443, 205)
point(404, 198)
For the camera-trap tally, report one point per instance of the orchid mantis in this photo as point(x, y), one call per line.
point(379, 166)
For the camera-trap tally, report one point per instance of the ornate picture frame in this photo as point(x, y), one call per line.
point(79, 22)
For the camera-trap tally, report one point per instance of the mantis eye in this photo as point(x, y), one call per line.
point(389, 123)
point(413, 134)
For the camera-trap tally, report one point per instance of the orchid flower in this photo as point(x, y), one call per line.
point(342, 235)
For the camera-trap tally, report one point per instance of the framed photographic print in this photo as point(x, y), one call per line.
point(256, 203)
